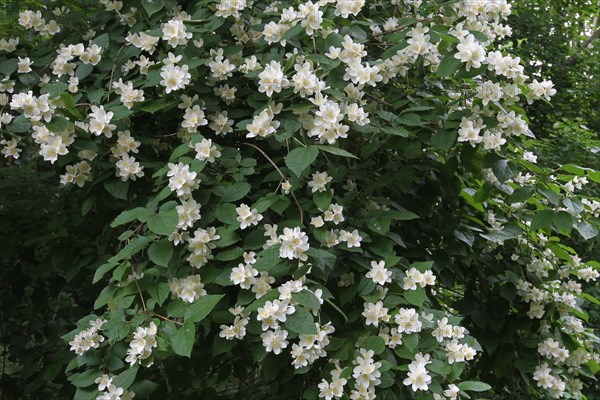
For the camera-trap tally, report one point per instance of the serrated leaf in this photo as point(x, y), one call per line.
point(182, 340)
point(336, 150)
point(586, 230)
point(375, 343)
point(133, 247)
point(128, 216)
point(152, 6)
point(301, 158)
point(307, 299)
point(474, 386)
point(226, 213)
point(301, 322)
point(117, 188)
point(235, 192)
point(322, 199)
point(415, 297)
point(448, 66)
point(563, 221)
point(160, 253)
point(126, 378)
point(163, 223)
point(201, 308)
point(542, 220)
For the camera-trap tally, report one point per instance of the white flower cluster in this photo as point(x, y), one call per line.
point(88, 338)
point(128, 94)
point(415, 277)
point(187, 289)
point(175, 33)
point(379, 274)
point(418, 376)
point(247, 216)
point(126, 166)
point(264, 123)
point(201, 246)
point(366, 374)
point(311, 347)
point(335, 388)
point(182, 181)
point(144, 340)
point(108, 391)
point(206, 151)
point(78, 174)
point(238, 329)
point(33, 19)
point(188, 213)
point(100, 121)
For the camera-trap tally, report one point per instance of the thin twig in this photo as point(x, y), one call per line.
point(138, 288)
point(280, 174)
point(166, 319)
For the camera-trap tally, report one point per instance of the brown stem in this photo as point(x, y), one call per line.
point(280, 174)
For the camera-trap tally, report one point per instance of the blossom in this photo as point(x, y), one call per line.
point(272, 79)
point(247, 217)
point(174, 77)
point(294, 243)
point(379, 274)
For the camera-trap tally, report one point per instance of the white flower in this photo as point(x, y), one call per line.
point(100, 122)
point(175, 33)
point(247, 217)
point(318, 181)
point(379, 274)
point(174, 77)
point(294, 243)
point(206, 151)
point(272, 79)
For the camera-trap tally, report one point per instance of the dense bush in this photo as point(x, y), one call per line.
point(292, 199)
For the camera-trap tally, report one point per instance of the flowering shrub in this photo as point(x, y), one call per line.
point(320, 200)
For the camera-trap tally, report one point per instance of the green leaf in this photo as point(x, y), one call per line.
point(83, 71)
point(126, 378)
point(7, 67)
point(133, 247)
point(156, 105)
point(520, 195)
point(19, 125)
point(322, 199)
point(129, 215)
point(296, 30)
point(201, 308)
point(301, 322)
point(235, 192)
point(163, 223)
point(117, 188)
point(226, 214)
point(152, 6)
point(182, 340)
point(301, 158)
point(160, 253)
point(58, 124)
point(336, 150)
point(409, 120)
point(103, 269)
point(84, 379)
point(307, 299)
point(55, 89)
point(542, 220)
point(159, 292)
point(375, 343)
point(415, 297)
point(443, 139)
point(586, 230)
point(563, 221)
point(474, 386)
point(448, 66)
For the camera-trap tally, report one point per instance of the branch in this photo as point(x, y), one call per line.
point(280, 174)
